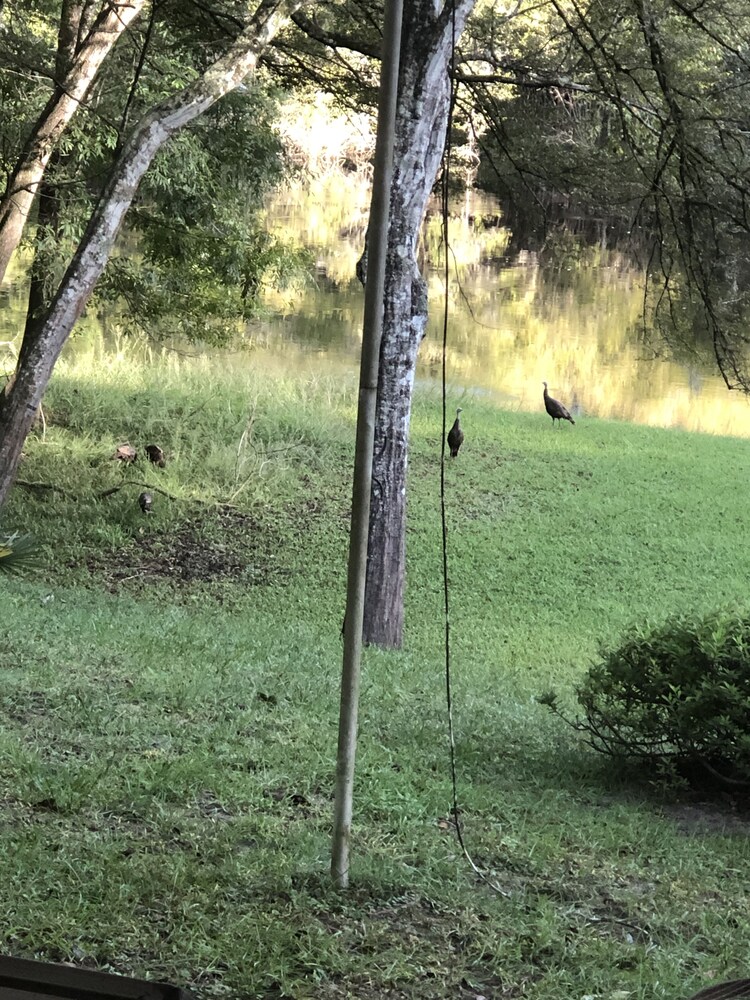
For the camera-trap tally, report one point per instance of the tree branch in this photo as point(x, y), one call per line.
point(334, 39)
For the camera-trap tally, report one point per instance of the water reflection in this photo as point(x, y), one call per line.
point(513, 323)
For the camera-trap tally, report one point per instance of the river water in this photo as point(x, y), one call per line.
point(512, 322)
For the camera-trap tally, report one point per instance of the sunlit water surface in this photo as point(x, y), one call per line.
point(511, 322)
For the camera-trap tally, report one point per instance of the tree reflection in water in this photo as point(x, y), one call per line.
point(572, 318)
point(516, 320)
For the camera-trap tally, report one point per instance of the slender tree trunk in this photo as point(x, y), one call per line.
point(48, 196)
point(421, 122)
point(47, 216)
point(70, 90)
point(46, 337)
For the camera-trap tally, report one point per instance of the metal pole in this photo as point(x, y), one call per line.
point(368, 387)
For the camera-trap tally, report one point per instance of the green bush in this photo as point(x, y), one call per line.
point(676, 695)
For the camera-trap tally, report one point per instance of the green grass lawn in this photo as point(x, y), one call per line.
point(169, 700)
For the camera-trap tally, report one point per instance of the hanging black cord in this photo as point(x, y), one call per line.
point(444, 200)
point(445, 196)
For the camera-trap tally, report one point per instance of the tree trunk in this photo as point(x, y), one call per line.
point(44, 339)
point(47, 195)
point(70, 89)
point(48, 198)
point(421, 123)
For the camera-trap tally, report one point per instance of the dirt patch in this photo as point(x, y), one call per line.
point(442, 942)
point(705, 818)
point(221, 546)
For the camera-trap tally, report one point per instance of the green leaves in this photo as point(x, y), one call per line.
point(677, 693)
point(196, 256)
point(17, 552)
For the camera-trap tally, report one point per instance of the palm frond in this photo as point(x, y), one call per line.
point(16, 552)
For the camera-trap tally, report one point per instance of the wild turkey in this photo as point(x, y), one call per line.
point(455, 435)
point(125, 453)
point(555, 408)
point(156, 455)
point(145, 502)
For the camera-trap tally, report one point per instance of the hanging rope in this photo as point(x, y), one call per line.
point(444, 198)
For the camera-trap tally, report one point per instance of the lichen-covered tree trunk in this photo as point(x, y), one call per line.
point(44, 338)
point(421, 122)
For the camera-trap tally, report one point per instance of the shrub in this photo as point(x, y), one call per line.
point(676, 695)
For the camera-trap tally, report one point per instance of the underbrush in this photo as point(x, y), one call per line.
point(675, 697)
point(170, 690)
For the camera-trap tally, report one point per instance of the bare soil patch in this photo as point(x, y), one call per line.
point(708, 818)
point(220, 546)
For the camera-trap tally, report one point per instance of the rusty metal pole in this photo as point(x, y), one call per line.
point(368, 387)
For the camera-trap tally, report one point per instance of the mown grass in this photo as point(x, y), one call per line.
point(170, 691)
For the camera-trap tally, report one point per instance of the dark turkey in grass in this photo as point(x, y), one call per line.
point(455, 435)
point(555, 408)
point(156, 455)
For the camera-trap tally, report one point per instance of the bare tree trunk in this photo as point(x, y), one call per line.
point(404, 323)
point(70, 90)
point(421, 122)
point(47, 195)
point(45, 338)
point(48, 199)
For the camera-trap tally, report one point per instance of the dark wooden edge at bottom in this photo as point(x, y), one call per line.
point(724, 991)
point(23, 979)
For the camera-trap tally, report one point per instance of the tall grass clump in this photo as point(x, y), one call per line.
point(232, 437)
point(196, 405)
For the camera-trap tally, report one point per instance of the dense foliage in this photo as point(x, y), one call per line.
point(16, 552)
point(627, 120)
point(193, 255)
point(623, 121)
point(203, 254)
point(677, 695)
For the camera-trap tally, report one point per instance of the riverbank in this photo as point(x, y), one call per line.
point(170, 689)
